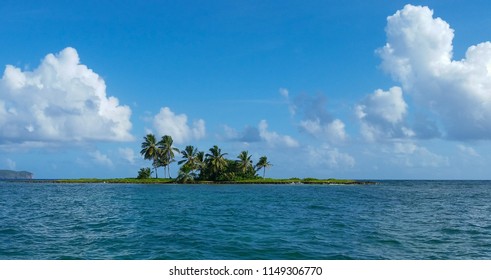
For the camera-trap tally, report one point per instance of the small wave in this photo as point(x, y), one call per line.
point(398, 220)
point(8, 231)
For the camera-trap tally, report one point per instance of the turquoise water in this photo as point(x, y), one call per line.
point(390, 220)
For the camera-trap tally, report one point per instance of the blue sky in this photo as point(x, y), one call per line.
point(346, 89)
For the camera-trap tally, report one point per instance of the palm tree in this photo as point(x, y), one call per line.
point(150, 150)
point(216, 161)
point(244, 162)
point(186, 175)
point(189, 155)
point(263, 163)
point(144, 173)
point(200, 161)
point(166, 157)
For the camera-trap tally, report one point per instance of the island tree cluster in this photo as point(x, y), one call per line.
point(198, 165)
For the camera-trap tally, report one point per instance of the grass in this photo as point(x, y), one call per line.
point(117, 181)
point(330, 181)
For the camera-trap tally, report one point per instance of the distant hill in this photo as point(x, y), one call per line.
point(9, 174)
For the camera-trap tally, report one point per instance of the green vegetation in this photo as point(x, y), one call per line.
point(264, 164)
point(263, 181)
point(144, 173)
point(196, 167)
point(113, 181)
point(150, 151)
point(213, 167)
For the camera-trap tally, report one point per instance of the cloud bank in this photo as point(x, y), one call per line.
point(454, 96)
point(60, 101)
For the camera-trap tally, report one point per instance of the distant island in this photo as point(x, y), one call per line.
point(10, 174)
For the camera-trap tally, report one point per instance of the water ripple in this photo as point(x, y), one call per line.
point(391, 220)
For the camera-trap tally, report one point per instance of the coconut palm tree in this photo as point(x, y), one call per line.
point(263, 163)
point(144, 173)
point(189, 155)
point(200, 161)
point(216, 161)
point(244, 163)
point(150, 151)
point(166, 156)
point(186, 175)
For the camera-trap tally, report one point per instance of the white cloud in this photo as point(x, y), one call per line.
point(331, 131)
point(292, 109)
point(251, 134)
point(387, 106)
point(61, 100)
point(419, 54)
point(410, 154)
point(284, 92)
point(466, 150)
point(382, 115)
point(317, 121)
point(273, 138)
point(248, 135)
point(230, 133)
point(128, 154)
point(167, 122)
point(101, 158)
point(324, 155)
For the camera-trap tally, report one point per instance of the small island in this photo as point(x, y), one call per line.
point(259, 181)
point(15, 175)
point(196, 167)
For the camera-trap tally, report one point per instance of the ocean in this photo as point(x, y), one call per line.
point(388, 220)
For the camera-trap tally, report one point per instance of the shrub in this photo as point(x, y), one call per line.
point(144, 173)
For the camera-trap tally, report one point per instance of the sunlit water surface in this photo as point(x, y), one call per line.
point(389, 220)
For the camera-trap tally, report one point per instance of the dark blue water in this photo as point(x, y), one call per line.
point(390, 220)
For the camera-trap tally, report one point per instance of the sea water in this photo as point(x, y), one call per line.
point(388, 220)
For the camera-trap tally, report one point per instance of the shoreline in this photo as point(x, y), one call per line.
point(154, 181)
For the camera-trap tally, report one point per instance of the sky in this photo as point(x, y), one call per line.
point(327, 89)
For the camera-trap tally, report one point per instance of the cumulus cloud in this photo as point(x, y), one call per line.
point(457, 93)
point(273, 138)
point(325, 155)
point(101, 158)
point(466, 150)
point(250, 134)
point(167, 122)
point(333, 131)
point(382, 115)
point(317, 121)
point(128, 154)
point(61, 100)
point(260, 133)
point(409, 154)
